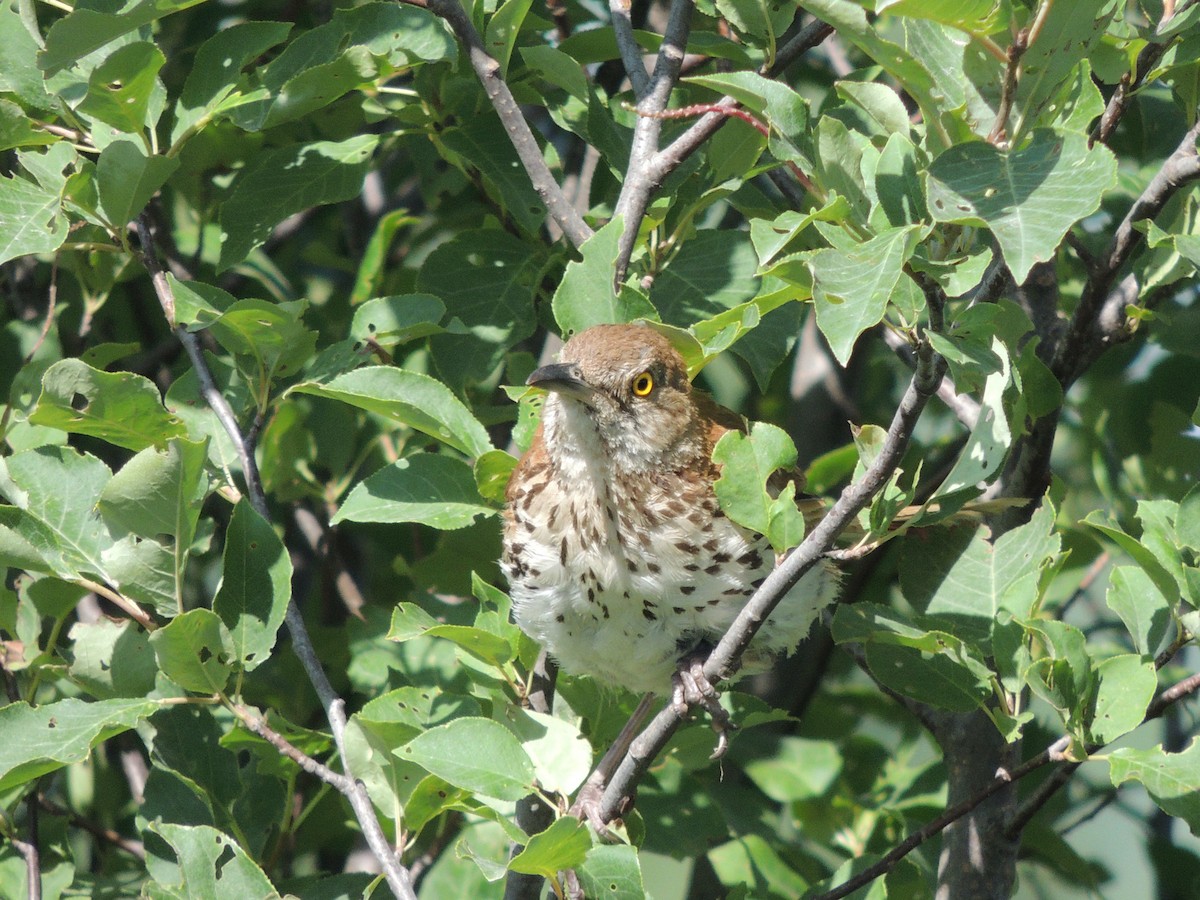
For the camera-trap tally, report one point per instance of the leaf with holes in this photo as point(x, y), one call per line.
point(1029, 197)
point(43, 739)
point(195, 651)
point(256, 585)
point(118, 407)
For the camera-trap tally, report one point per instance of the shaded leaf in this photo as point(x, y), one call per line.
point(256, 585)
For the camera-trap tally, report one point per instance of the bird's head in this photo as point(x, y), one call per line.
point(625, 388)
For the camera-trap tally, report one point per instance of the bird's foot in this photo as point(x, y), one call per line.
point(692, 688)
point(587, 808)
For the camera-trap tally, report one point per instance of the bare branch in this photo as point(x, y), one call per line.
point(397, 876)
point(488, 71)
point(725, 659)
point(639, 180)
point(631, 53)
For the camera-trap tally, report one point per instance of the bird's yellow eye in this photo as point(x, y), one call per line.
point(643, 384)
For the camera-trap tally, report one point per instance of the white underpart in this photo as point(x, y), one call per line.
point(603, 627)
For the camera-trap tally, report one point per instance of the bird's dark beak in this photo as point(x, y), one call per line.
point(562, 378)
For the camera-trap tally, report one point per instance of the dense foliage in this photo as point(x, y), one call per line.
point(274, 275)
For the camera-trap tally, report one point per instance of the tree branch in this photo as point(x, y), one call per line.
point(1002, 779)
point(725, 659)
point(627, 45)
point(1092, 330)
point(487, 69)
point(639, 180)
point(397, 876)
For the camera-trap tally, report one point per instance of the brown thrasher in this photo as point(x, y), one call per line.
point(620, 561)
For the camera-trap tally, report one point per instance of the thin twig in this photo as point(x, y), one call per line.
point(259, 726)
point(130, 607)
point(964, 407)
point(132, 847)
point(725, 659)
point(1012, 64)
point(397, 876)
point(487, 69)
point(30, 849)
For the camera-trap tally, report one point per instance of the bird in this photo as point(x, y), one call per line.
point(619, 559)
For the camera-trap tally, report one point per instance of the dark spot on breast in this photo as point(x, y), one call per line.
point(721, 558)
point(591, 596)
point(553, 517)
point(649, 615)
point(686, 547)
point(691, 567)
point(631, 565)
point(678, 610)
point(562, 552)
point(558, 618)
point(653, 567)
point(711, 545)
point(714, 569)
point(687, 589)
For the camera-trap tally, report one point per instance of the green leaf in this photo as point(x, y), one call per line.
point(1142, 555)
point(196, 651)
point(1029, 197)
point(880, 103)
point(585, 296)
point(217, 69)
point(974, 16)
point(747, 462)
point(486, 278)
point(83, 31)
point(119, 88)
point(612, 872)
point(784, 111)
point(564, 845)
point(159, 492)
point(434, 490)
point(118, 407)
point(799, 769)
point(503, 28)
point(16, 129)
point(753, 862)
point(390, 321)
point(31, 219)
point(357, 46)
point(963, 578)
point(561, 756)
point(1133, 595)
point(1172, 779)
point(408, 398)
point(851, 288)
point(45, 738)
point(126, 179)
point(1187, 522)
point(987, 446)
point(268, 340)
point(112, 659)
point(938, 680)
point(712, 272)
point(1127, 685)
point(256, 585)
point(477, 755)
point(61, 526)
point(1068, 35)
point(279, 183)
point(211, 864)
point(492, 471)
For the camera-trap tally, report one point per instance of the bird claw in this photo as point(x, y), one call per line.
point(692, 688)
point(587, 808)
